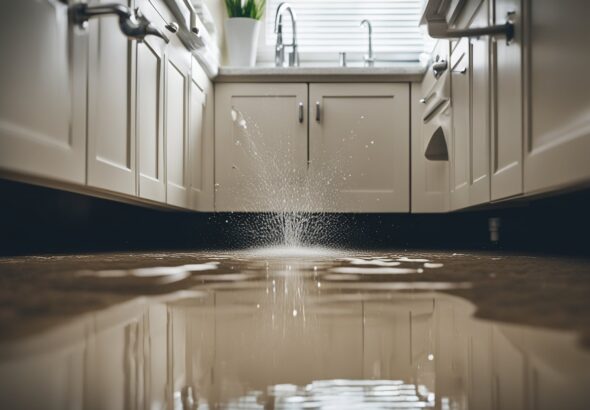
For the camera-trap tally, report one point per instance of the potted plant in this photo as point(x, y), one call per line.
point(241, 30)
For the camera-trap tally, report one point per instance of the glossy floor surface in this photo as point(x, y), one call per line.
point(295, 329)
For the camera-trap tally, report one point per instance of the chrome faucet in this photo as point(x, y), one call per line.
point(369, 58)
point(280, 46)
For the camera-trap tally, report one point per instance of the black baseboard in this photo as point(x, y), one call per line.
point(37, 220)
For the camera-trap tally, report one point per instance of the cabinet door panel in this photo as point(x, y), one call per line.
point(461, 141)
point(260, 147)
point(176, 120)
point(507, 106)
point(359, 148)
point(150, 120)
point(201, 140)
point(42, 102)
point(558, 140)
point(479, 190)
point(430, 180)
point(111, 141)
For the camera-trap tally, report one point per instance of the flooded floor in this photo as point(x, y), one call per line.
point(295, 329)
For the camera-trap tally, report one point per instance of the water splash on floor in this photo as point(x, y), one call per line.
point(287, 203)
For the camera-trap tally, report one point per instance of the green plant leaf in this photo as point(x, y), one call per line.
point(250, 8)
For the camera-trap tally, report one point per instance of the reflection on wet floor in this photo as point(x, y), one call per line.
point(294, 329)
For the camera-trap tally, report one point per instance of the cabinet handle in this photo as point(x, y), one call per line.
point(424, 100)
point(301, 112)
point(441, 29)
point(172, 27)
point(461, 71)
point(132, 23)
point(317, 111)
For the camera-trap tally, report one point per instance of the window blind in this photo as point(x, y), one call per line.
point(329, 26)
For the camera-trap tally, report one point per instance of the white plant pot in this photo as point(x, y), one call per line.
point(241, 34)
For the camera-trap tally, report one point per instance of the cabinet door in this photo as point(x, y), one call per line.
point(43, 97)
point(430, 179)
point(111, 137)
point(201, 140)
point(178, 73)
point(149, 112)
point(507, 106)
point(260, 146)
point(558, 141)
point(360, 146)
point(461, 142)
point(479, 167)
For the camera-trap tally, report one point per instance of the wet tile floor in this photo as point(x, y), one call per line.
point(295, 329)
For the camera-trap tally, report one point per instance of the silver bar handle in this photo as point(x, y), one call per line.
point(317, 111)
point(131, 22)
point(461, 71)
point(301, 112)
point(440, 29)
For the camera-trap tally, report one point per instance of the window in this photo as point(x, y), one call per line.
point(327, 27)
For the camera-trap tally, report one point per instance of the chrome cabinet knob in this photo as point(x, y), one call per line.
point(172, 27)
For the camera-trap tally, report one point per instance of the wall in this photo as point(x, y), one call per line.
point(217, 8)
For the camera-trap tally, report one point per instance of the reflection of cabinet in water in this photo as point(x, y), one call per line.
point(138, 355)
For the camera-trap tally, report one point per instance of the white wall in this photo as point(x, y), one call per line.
point(217, 8)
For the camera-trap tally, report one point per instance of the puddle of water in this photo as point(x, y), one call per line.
point(293, 329)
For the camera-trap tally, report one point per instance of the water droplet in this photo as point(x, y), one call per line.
point(362, 117)
point(226, 221)
point(431, 357)
point(238, 142)
point(319, 285)
point(372, 142)
point(366, 146)
point(294, 312)
point(258, 306)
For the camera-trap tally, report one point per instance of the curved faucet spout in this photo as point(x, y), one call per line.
point(369, 58)
point(278, 29)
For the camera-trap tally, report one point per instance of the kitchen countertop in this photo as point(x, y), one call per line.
point(393, 72)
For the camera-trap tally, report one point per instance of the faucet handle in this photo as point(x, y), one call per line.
point(294, 59)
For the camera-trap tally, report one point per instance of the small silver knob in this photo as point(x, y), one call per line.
point(172, 27)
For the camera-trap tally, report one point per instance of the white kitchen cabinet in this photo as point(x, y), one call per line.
point(260, 146)
point(558, 140)
point(360, 146)
point(201, 142)
point(111, 91)
point(479, 166)
point(507, 113)
point(149, 112)
point(176, 123)
point(430, 178)
point(43, 97)
point(470, 157)
point(460, 150)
